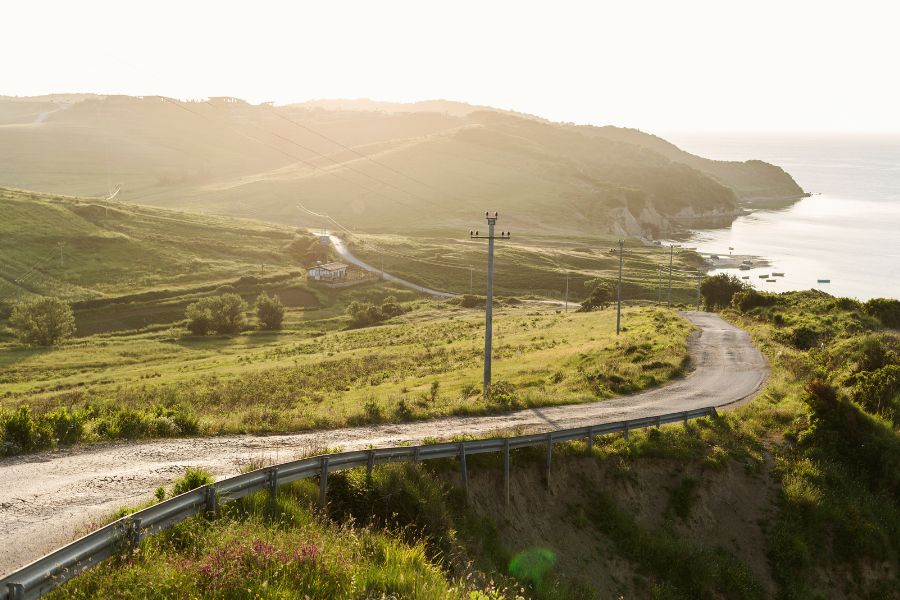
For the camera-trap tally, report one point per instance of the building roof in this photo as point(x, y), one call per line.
point(332, 266)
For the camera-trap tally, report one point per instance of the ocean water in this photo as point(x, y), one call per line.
point(848, 232)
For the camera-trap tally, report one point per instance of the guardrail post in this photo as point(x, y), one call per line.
point(323, 481)
point(273, 481)
point(416, 455)
point(132, 533)
point(370, 464)
point(16, 591)
point(506, 468)
point(212, 500)
point(685, 419)
point(590, 440)
point(463, 471)
point(625, 431)
point(658, 421)
point(549, 456)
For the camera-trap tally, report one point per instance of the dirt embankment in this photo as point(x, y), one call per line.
point(726, 508)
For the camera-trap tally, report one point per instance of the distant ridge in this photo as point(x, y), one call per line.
point(373, 165)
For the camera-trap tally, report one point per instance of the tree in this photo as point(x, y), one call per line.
point(199, 317)
point(222, 314)
point(600, 298)
point(719, 290)
point(43, 322)
point(228, 313)
point(269, 311)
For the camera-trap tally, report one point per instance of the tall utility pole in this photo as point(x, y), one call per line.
point(619, 292)
point(489, 312)
point(658, 286)
point(671, 255)
point(699, 283)
point(567, 291)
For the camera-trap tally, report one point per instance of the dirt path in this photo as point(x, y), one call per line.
point(46, 499)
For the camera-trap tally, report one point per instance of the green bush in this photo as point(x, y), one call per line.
point(719, 290)
point(886, 310)
point(600, 297)
point(269, 311)
point(804, 338)
point(23, 433)
point(193, 478)
point(67, 426)
point(43, 322)
point(748, 299)
point(222, 314)
point(879, 391)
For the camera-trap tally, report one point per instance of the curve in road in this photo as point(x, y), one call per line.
point(341, 248)
point(46, 499)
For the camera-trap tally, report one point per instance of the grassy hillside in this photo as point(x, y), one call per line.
point(111, 249)
point(793, 496)
point(377, 167)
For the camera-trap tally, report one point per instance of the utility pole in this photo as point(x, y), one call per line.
point(489, 296)
point(567, 292)
point(699, 283)
point(671, 256)
point(619, 292)
point(658, 286)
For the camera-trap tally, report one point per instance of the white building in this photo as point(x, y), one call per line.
point(333, 271)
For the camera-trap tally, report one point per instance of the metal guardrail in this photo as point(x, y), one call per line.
point(54, 569)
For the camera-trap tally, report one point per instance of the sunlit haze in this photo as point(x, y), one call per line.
point(660, 66)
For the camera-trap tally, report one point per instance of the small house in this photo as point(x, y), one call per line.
point(333, 271)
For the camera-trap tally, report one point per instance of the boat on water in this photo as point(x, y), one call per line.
point(745, 277)
point(771, 280)
point(777, 274)
point(764, 276)
point(744, 267)
point(824, 281)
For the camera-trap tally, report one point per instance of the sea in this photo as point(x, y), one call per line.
point(843, 239)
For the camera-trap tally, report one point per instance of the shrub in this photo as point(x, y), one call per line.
point(748, 299)
point(471, 301)
point(599, 297)
point(804, 338)
point(43, 322)
point(199, 317)
point(504, 394)
point(363, 314)
point(66, 426)
point(22, 433)
point(886, 310)
point(222, 314)
point(719, 290)
point(269, 311)
point(879, 391)
point(193, 478)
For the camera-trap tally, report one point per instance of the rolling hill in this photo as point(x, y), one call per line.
point(372, 166)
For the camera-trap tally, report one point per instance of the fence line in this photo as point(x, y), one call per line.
point(54, 569)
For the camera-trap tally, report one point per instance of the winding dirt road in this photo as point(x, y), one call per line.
point(48, 498)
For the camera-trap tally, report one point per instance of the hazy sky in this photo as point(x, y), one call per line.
point(667, 65)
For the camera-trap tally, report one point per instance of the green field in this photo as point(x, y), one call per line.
point(315, 373)
point(534, 267)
